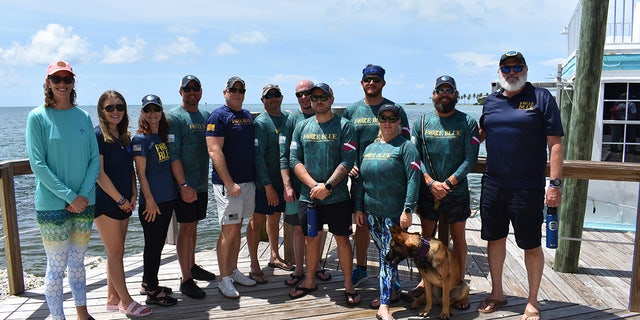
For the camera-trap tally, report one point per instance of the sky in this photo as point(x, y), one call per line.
point(141, 47)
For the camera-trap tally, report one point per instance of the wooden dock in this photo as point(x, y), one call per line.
point(600, 289)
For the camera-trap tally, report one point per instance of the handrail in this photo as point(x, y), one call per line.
point(577, 169)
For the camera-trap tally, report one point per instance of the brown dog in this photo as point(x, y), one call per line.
point(438, 268)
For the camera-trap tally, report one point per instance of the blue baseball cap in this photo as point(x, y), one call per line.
point(188, 78)
point(324, 87)
point(512, 54)
point(445, 79)
point(151, 99)
point(371, 69)
point(389, 107)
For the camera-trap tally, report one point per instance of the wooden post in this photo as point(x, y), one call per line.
point(634, 294)
point(11, 232)
point(589, 69)
point(288, 243)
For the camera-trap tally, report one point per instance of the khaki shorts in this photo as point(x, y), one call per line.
point(231, 210)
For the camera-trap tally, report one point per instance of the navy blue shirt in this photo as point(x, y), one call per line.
point(516, 136)
point(118, 166)
point(158, 167)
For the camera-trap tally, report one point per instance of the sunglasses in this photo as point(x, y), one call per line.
point(369, 79)
point(383, 119)
point(152, 109)
point(109, 108)
point(302, 93)
point(516, 69)
point(320, 97)
point(272, 95)
point(443, 90)
point(57, 79)
point(194, 89)
point(234, 90)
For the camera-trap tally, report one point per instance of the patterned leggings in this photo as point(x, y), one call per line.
point(65, 237)
point(381, 235)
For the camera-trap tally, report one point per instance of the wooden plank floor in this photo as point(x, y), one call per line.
point(599, 290)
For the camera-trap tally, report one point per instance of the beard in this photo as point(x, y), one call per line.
point(445, 107)
point(511, 85)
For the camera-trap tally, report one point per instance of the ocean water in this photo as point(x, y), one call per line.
point(12, 147)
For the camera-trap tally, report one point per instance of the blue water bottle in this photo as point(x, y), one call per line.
point(312, 220)
point(552, 227)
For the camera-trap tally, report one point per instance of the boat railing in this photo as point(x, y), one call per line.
point(574, 169)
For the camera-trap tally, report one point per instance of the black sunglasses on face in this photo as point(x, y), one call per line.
point(57, 79)
point(152, 109)
point(321, 97)
point(369, 79)
point(109, 108)
point(302, 93)
point(443, 90)
point(189, 89)
point(272, 95)
point(516, 69)
point(234, 90)
point(383, 119)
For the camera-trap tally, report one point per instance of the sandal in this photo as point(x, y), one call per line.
point(112, 307)
point(258, 277)
point(412, 294)
point(164, 300)
point(353, 298)
point(136, 310)
point(375, 303)
point(143, 289)
point(293, 280)
point(303, 292)
point(493, 305)
point(327, 275)
point(280, 264)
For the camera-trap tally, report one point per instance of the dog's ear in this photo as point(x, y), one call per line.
point(396, 229)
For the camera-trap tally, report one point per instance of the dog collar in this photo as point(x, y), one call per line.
point(424, 249)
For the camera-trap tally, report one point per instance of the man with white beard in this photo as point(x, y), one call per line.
point(519, 123)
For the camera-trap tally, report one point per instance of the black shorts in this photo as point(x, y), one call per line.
point(194, 211)
point(116, 213)
point(292, 219)
point(336, 215)
point(455, 208)
point(263, 207)
point(524, 208)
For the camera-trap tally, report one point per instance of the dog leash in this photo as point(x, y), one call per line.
point(436, 203)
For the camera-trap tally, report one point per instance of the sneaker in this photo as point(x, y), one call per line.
point(226, 288)
point(241, 279)
point(190, 289)
point(359, 276)
point(201, 274)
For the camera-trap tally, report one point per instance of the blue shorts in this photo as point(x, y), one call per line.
point(455, 208)
point(263, 208)
point(524, 208)
point(194, 211)
point(336, 215)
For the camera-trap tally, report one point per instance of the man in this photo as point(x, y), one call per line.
point(292, 186)
point(323, 150)
point(520, 122)
point(230, 142)
point(189, 165)
point(364, 115)
point(269, 187)
point(448, 142)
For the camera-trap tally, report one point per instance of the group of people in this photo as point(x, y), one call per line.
point(300, 165)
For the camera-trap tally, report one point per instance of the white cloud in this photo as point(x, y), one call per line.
point(250, 37)
point(54, 42)
point(182, 46)
point(128, 52)
point(225, 49)
point(472, 60)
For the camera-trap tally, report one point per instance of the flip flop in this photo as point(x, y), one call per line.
point(482, 308)
point(295, 279)
point(412, 294)
point(463, 307)
point(304, 292)
point(325, 273)
point(258, 277)
point(375, 303)
point(280, 265)
point(529, 314)
point(353, 298)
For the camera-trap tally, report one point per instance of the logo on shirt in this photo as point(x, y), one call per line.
point(526, 105)
point(162, 151)
point(349, 146)
point(171, 138)
point(211, 127)
point(415, 165)
point(137, 147)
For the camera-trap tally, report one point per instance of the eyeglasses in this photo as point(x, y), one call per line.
point(516, 69)
point(369, 79)
point(302, 93)
point(272, 95)
point(57, 79)
point(443, 90)
point(234, 90)
point(109, 108)
point(383, 119)
point(152, 108)
point(189, 89)
point(321, 97)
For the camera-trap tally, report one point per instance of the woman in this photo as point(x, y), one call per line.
point(115, 197)
point(390, 173)
point(63, 155)
point(157, 193)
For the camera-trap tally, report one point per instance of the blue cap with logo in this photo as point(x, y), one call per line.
point(445, 79)
point(188, 78)
point(512, 54)
point(324, 87)
point(151, 99)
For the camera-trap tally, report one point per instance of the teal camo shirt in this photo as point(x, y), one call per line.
point(452, 142)
point(390, 175)
point(268, 129)
point(365, 119)
point(321, 148)
point(285, 141)
point(187, 142)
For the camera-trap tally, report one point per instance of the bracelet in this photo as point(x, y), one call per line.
point(449, 184)
point(182, 185)
point(122, 201)
point(555, 187)
point(431, 183)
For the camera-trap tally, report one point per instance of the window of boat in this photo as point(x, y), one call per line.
point(621, 122)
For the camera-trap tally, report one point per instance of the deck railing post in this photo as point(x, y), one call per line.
point(11, 232)
point(634, 294)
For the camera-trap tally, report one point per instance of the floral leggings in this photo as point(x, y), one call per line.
point(381, 235)
point(65, 237)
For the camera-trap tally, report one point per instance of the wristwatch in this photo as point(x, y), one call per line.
point(328, 186)
point(182, 185)
point(555, 183)
point(408, 210)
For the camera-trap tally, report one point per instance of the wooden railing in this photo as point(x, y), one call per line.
point(591, 170)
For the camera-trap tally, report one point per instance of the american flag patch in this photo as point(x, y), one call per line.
point(255, 142)
point(137, 147)
point(415, 165)
point(171, 138)
point(351, 145)
point(475, 140)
